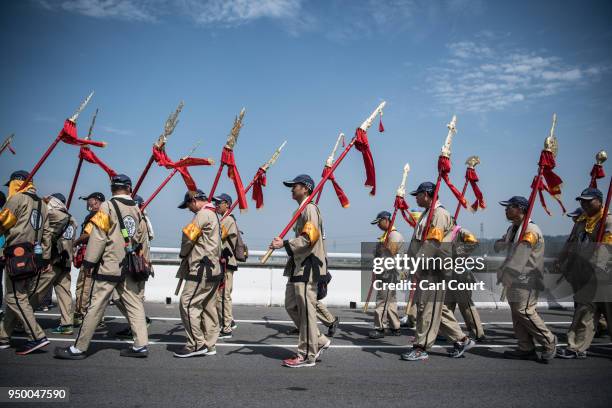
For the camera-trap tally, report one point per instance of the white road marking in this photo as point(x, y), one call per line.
point(266, 321)
point(261, 345)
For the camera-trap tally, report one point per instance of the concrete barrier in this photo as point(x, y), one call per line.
point(256, 284)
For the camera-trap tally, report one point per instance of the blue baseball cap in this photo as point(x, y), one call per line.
point(121, 180)
point(18, 175)
point(381, 216)
point(97, 195)
point(589, 194)
point(60, 197)
point(576, 213)
point(516, 201)
point(139, 200)
point(192, 195)
point(223, 197)
point(304, 179)
point(427, 187)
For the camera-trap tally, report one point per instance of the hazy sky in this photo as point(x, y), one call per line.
point(306, 70)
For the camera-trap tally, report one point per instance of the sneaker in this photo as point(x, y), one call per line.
point(211, 351)
point(407, 322)
point(293, 332)
point(549, 355)
point(393, 332)
point(148, 321)
point(297, 362)
point(77, 321)
point(186, 352)
point(65, 353)
point(138, 353)
point(4, 345)
point(322, 349)
point(65, 330)
point(45, 308)
point(125, 333)
point(415, 354)
point(571, 354)
point(225, 334)
point(32, 345)
point(233, 325)
point(376, 334)
point(331, 332)
point(520, 355)
point(461, 347)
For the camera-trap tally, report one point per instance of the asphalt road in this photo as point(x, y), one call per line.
point(356, 371)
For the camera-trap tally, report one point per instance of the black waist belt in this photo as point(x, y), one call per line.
point(311, 264)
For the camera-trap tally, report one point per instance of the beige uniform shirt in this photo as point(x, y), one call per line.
point(441, 226)
point(229, 237)
point(20, 222)
point(201, 247)
point(307, 250)
point(106, 245)
point(524, 263)
point(63, 229)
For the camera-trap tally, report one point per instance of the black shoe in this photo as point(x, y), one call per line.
point(32, 345)
point(461, 347)
point(376, 334)
point(520, 355)
point(130, 352)
point(393, 332)
point(125, 333)
point(233, 325)
point(331, 332)
point(225, 334)
point(549, 355)
point(186, 352)
point(64, 353)
point(571, 354)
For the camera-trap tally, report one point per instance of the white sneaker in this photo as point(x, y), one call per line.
point(322, 349)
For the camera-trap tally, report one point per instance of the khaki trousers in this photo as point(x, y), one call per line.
point(301, 303)
point(131, 294)
point(324, 315)
point(60, 280)
point(224, 302)
point(18, 308)
point(83, 287)
point(471, 317)
point(199, 313)
point(433, 316)
point(582, 330)
point(385, 315)
point(527, 323)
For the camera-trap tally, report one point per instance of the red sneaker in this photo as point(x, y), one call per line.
point(297, 362)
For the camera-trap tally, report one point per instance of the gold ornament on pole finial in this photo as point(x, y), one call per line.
point(550, 143)
point(76, 114)
point(472, 162)
point(601, 157)
point(233, 136)
point(452, 130)
point(170, 125)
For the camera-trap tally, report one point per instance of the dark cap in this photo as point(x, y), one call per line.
point(138, 200)
point(304, 179)
point(381, 216)
point(576, 213)
point(60, 197)
point(192, 195)
point(98, 196)
point(589, 194)
point(427, 187)
point(17, 175)
point(223, 197)
point(121, 180)
point(516, 201)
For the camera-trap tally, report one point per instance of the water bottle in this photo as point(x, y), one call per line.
point(38, 249)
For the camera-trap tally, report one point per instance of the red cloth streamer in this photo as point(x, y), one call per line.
point(86, 154)
point(362, 144)
point(344, 201)
point(68, 135)
point(258, 183)
point(227, 158)
point(444, 168)
point(402, 206)
point(552, 182)
point(381, 127)
point(597, 172)
point(472, 178)
point(162, 159)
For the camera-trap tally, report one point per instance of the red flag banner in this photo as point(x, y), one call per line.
point(597, 172)
point(227, 158)
point(86, 154)
point(68, 135)
point(444, 168)
point(552, 182)
point(362, 144)
point(344, 201)
point(259, 182)
point(472, 178)
point(402, 206)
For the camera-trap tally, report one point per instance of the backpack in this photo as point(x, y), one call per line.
point(241, 251)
